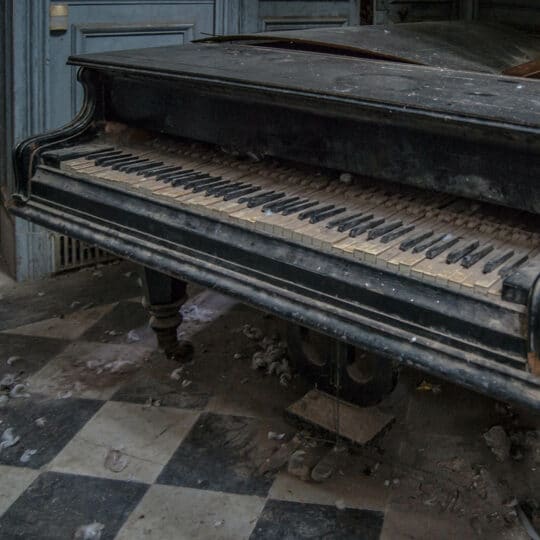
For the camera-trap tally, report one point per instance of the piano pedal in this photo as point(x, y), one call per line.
point(359, 377)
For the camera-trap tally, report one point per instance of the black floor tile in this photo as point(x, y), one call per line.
point(217, 455)
point(54, 297)
point(122, 318)
point(55, 505)
point(34, 353)
point(295, 521)
point(63, 419)
point(143, 386)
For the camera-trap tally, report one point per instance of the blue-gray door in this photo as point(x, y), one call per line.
point(268, 15)
point(94, 26)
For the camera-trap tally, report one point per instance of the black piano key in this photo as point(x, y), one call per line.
point(136, 167)
point(294, 204)
point(314, 211)
point(493, 264)
point(100, 153)
point(341, 221)
point(258, 200)
point(298, 208)
point(171, 173)
point(243, 200)
point(161, 169)
point(458, 254)
point(414, 241)
point(472, 258)
point(219, 189)
point(151, 171)
point(430, 242)
point(176, 175)
point(181, 179)
point(198, 186)
point(383, 229)
point(354, 223)
point(279, 205)
point(105, 160)
point(361, 229)
point(116, 166)
point(75, 152)
point(505, 270)
point(396, 234)
point(236, 192)
point(325, 215)
point(201, 181)
point(435, 251)
point(139, 169)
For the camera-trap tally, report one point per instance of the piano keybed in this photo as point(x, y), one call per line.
point(432, 236)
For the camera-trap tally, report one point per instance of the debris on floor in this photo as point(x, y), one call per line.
point(357, 425)
point(271, 356)
point(27, 455)
point(498, 442)
point(92, 531)
point(426, 386)
point(327, 466)
point(116, 461)
point(8, 439)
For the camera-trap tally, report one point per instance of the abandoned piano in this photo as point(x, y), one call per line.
point(379, 187)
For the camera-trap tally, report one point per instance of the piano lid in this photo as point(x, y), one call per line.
point(255, 73)
point(488, 48)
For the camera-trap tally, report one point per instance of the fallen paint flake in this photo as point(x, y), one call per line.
point(133, 337)
point(274, 436)
point(8, 439)
point(27, 455)
point(8, 380)
point(41, 421)
point(65, 394)
point(252, 332)
point(92, 531)
point(116, 461)
point(176, 374)
point(12, 359)
point(18, 391)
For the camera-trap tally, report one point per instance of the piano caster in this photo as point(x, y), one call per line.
point(163, 297)
point(364, 379)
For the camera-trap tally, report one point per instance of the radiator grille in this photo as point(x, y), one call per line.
point(70, 254)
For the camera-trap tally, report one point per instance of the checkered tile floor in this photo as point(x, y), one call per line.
point(92, 371)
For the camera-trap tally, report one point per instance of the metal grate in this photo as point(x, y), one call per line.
point(70, 254)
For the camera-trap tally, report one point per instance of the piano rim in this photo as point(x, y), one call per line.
point(473, 371)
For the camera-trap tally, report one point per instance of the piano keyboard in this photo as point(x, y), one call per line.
point(431, 236)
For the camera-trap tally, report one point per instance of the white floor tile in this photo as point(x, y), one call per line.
point(147, 436)
point(172, 513)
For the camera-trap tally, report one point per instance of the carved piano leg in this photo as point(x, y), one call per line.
point(163, 297)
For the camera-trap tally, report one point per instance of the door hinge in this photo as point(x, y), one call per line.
point(58, 17)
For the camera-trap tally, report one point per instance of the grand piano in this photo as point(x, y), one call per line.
point(378, 187)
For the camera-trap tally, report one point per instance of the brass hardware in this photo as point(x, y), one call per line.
point(58, 17)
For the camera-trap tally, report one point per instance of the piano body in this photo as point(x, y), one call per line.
point(377, 185)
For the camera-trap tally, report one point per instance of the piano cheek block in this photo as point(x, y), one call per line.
point(373, 268)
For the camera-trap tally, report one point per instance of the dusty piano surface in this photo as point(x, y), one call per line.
point(389, 204)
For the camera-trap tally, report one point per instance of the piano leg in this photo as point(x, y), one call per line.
point(163, 297)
